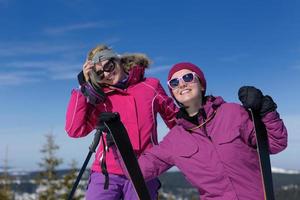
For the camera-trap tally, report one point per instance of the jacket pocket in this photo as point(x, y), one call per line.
point(231, 147)
point(228, 137)
point(185, 146)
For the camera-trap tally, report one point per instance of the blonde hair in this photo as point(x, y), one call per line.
point(98, 48)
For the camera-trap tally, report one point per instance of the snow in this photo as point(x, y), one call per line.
point(284, 171)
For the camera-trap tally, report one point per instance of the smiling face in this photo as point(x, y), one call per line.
point(112, 76)
point(187, 93)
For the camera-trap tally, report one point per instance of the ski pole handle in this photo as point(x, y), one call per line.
point(96, 140)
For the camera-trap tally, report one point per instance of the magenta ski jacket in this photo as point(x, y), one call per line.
point(221, 162)
point(138, 106)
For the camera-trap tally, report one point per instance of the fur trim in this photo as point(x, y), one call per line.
point(135, 59)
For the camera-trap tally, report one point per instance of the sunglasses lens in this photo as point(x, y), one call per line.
point(174, 82)
point(100, 74)
point(109, 66)
point(188, 77)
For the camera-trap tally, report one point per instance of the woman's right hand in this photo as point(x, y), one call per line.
point(87, 68)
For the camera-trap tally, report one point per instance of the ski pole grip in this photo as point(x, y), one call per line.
point(96, 140)
point(109, 116)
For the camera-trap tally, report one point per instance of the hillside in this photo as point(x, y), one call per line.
point(286, 185)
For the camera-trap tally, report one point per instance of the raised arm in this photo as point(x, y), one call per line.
point(83, 108)
point(277, 133)
point(166, 107)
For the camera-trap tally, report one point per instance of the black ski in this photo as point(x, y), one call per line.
point(119, 134)
point(264, 157)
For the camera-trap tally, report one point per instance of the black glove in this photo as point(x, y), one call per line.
point(253, 98)
point(268, 105)
point(93, 93)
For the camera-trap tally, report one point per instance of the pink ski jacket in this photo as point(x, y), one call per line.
point(221, 162)
point(137, 105)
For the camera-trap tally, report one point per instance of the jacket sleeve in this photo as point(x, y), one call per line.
point(277, 133)
point(166, 107)
point(156, 160)
point(80, 116)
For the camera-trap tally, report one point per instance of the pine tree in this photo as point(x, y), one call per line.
point(68, 181)
point(5, 180)
point(48, 180)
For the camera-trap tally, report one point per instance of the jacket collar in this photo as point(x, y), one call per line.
point(136, 74)
point(209, 110)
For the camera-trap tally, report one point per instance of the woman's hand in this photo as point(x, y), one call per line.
point(87, 68)
point(93, 93)
point(253, 98)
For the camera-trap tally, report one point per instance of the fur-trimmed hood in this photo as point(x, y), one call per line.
point(128, 61)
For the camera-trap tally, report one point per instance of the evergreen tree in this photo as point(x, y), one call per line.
point(5, 180)
point(5, 190)
point(48, 180)
point(68, 181)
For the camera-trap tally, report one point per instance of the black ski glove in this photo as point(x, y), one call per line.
point(93, 93)
point(268, 105)
point(253, 98)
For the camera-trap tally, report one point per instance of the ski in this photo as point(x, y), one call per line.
point(264, 157)
point(120, 136)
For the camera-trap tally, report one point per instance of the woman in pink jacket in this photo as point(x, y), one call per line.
point(113, 83)
point(214, 143)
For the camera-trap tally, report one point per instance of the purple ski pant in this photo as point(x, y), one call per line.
point(119, 188)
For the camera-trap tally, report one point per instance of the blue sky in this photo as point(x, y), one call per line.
point(43, 45)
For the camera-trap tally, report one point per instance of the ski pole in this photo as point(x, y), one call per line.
point(92, 149)
point(264, 156)
point(121, 139)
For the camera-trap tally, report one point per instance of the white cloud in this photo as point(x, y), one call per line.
point(157, 69)
point(15, 79)
point(49, 65)
point(75, 27)
point(24, 62)
point(36, 48)
point(30, 71)
point(65, 75)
